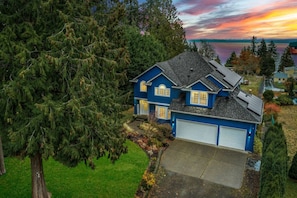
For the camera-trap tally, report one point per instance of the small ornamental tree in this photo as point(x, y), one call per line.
point(293, 168)
point(271, 109)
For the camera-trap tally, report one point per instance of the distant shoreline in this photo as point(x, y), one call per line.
point(243, 40)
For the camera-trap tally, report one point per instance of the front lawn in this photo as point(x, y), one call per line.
point(107, 180)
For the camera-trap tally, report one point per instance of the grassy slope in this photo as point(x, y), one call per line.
point(107, 180)
point(288, 118)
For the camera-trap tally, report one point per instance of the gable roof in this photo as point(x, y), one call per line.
point(280, 75)
point(188, 68)
point(230, 108)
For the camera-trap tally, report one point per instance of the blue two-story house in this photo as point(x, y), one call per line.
point(201, 99)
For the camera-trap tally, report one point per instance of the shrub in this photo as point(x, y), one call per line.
point(268, 95)
point(148, 180)
point(293, 168)
point(271, 109)
point(258, 146)
point(284, 100)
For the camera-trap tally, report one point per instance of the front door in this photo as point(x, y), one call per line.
point(143, 107)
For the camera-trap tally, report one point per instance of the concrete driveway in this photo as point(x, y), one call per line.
point(210, 163)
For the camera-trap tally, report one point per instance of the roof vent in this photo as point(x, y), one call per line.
point(191, 69)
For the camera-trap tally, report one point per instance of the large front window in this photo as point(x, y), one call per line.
point(162, 112)
point(162, 90)
point(199, 97)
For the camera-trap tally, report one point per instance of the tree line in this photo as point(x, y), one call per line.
point(260, 59)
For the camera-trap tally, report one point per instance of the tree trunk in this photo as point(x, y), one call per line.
point(2, 164)
point(38, 183)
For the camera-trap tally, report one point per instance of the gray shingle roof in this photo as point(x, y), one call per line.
point(186, 68)
point(232, 108)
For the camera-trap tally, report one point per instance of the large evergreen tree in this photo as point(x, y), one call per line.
point(274, 166)
point(159, 18)
point(232, 60)
point(262, 49)
point(254, 45)
point(286, 60)
point(60, 84)
point(272, 50)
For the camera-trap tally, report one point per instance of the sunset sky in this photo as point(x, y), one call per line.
point(238, 19)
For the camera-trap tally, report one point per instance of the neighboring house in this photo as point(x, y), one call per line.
point(291, 71)
point(201, 100)
point(280, 77)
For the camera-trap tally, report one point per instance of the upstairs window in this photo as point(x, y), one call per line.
point(199, 98)
point(162, 90)
point(143, 87)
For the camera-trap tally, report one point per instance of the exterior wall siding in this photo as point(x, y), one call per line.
point(174, 93)
point(146, 77)
point(249, 127)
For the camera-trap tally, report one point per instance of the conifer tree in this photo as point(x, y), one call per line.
point(274, 166)
point(61, 78)
point(254, 45)
point(272, 50)
point(286, 60)
point(159, 18)
point(232, 60)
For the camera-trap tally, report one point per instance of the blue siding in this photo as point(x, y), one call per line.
point(250, 127)
point(174, 93)
point(200, 87)
point(154, 71)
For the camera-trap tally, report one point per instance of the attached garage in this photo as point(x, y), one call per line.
point(195, 131)
point(232, 137)
point(208, 133)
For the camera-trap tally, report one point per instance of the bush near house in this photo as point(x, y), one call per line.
point(268, 95)
point(293, 168)
point(274, 167)
point(284, 100)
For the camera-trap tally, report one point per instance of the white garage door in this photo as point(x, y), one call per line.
point(232, 137)
point(195, 131)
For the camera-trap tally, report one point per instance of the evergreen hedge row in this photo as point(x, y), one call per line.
point(274, 168)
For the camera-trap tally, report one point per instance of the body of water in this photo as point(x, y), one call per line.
point(225, 48)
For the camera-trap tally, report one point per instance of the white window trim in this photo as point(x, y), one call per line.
point(142, 84)
point(199, 99)
point(167, 112)
point(166, 90)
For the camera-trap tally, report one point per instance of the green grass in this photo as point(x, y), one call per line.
point(107, 180)
point(254, 84)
